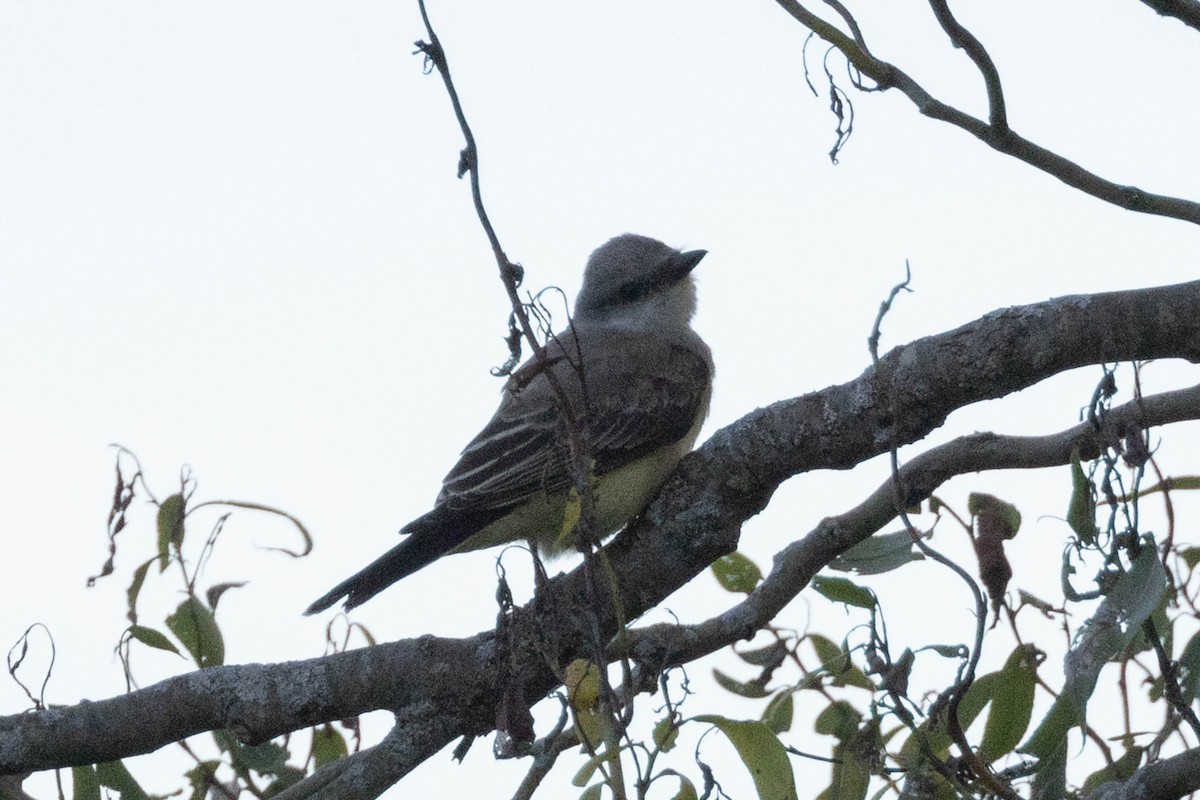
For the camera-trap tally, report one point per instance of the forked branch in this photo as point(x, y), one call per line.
point(996, 134)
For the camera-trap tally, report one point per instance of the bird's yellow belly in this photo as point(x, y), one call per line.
point(618, 496)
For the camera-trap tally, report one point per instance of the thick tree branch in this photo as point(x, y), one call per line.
point(697, 517)
point(369, 773)
point(1001, 139)
point(797, 563)
point(1186, 11)
point(1169, 779)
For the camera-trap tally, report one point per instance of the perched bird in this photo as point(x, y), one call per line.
point(639, 376)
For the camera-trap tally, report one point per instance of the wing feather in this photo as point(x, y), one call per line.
point(641, 394)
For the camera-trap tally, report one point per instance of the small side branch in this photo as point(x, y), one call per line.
point(965, 40)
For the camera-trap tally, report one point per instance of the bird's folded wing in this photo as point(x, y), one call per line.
point(641, 394)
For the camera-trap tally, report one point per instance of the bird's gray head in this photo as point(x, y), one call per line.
point(638, 282)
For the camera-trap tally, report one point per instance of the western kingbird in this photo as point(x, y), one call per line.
point(641, 379)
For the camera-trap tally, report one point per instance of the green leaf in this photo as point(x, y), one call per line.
point(854, 677)
point(170, 528)
point(1120, 770)
point(153, 638)
point(226, 741)
point(114, 775)
point(839, 719)
point(751, 689)
point(592, 792)
point(287, 777)
point(1118, 619)
point(736, 573)
point(666, 732)
point(770, 656)
point(841, 590)
point(201, 778)
point(933, 730)
point(1008, 718)
point(778, 714)
point(1190, 556)
point(590, 766)
point(883, 552)
point(832, 658)
point(762, 753)
point(979, 504)
point(946, 650)
point(852, 766)
point(328, 745)
point(687, 791)
point(213, 595)
point(1162, 628)
point(84, 783)
point(1189, 669)
point(1050, 780)
point(1081, 512)
point(194, 625)
point(135, 588)
point(266, 758)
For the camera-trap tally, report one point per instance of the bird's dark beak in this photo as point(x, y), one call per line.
point(681, 264)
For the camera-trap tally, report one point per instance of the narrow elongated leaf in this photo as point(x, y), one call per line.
point(135, 588)
point(152, 638)
point(1131, 601)
point(84, 783)
point(841, 590)
point(170, 528)
point(1081, 512)
point(934, 730)
point(1012, 704)
point(883, 552)
point(762, 753)
point(770, 656)
point(114, 775)
point(751, 689)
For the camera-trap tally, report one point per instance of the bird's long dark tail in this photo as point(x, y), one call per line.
point(402, 560)
point(429, 538)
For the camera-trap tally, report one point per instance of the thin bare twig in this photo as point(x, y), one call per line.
point(966, 674)
point(574, 415)
point(1007, 141)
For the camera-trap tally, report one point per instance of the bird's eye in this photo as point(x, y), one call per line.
point(633, 291)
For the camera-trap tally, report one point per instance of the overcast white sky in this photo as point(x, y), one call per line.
point(231, 237)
